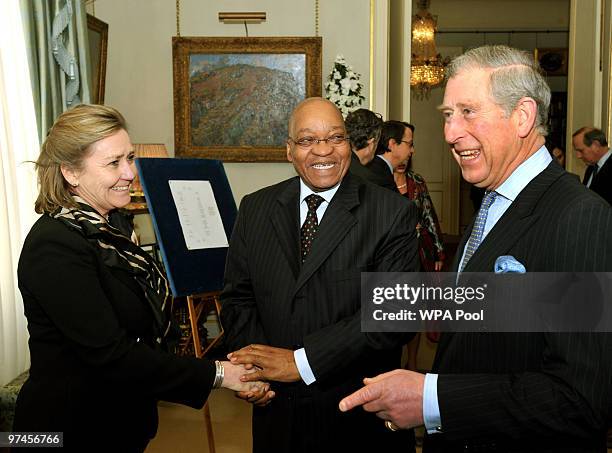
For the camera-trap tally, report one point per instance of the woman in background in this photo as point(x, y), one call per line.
point(555, 151)
point(98, 306)
point(429, 235)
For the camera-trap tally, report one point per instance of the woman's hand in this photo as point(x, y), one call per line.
point(256, 392)
point(258, 397)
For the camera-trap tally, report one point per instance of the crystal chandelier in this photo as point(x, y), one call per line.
point(427, 66)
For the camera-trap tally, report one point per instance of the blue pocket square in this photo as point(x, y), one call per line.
point(508, 264)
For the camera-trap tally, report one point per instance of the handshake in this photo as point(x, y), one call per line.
point(395, 396)
point(249, 369)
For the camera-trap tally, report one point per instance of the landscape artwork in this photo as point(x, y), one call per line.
point(244, 99)
point(233, 96)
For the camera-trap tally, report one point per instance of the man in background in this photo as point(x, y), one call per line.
point(518, 392)
point(591, 148)
point(292, 291)
point(394, 148)
point(363, 128)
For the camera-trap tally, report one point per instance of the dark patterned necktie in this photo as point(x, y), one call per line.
point(589, 175)
point(594, 174)
point(311, 224)
point(478, 229)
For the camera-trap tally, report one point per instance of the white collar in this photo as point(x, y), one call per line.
point(601, 162)
point(524, 173)
point(327, 194)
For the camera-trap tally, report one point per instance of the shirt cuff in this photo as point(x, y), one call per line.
point(301, 361)
point(431, 409)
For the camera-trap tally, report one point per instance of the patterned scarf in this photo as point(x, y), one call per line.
point(115, 241)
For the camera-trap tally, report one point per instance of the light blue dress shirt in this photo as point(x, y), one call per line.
point(507, 193)
point(301, 360)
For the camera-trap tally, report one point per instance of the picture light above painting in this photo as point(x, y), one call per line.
point(233, 96)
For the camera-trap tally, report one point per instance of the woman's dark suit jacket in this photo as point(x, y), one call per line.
point(96, 374)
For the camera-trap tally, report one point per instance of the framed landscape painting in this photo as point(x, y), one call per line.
point(233, 96)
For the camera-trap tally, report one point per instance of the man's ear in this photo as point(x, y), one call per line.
point(527, 111)
point(289, 156)
point(70, 175)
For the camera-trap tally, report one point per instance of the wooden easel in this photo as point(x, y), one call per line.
point(196, 305)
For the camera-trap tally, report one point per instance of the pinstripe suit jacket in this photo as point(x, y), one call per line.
point(271, 298)
point(532, 391)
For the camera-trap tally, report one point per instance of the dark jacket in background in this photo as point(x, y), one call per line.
point(602, 185)
point(377, 172)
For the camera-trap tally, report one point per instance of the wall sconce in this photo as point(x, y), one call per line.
point(242, 17)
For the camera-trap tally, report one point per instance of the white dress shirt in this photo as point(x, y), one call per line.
point(301, 360)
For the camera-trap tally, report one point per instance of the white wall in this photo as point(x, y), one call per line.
point(139, 70)
point(584, 76)
point(399, 59)
point(491, 14)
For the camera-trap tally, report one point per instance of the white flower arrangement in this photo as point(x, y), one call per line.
point(343, 87)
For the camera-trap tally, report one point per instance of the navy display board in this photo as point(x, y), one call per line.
point(189, 271)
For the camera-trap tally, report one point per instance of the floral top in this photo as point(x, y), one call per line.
point(429, 234)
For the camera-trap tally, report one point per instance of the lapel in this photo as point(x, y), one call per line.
point(334, 226)
point(602, 177)
point(515, 222)
point(511, 226)
point(285, 218)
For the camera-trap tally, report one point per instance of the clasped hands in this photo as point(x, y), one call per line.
point(396, 396)
point(264, 363)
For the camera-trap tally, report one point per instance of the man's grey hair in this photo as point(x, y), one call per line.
point(515, 75)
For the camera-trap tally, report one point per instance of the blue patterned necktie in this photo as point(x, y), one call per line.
point(311, 224)
point(478, 229)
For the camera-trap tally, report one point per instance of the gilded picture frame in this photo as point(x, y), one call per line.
point(233, 96)
point(97, 32)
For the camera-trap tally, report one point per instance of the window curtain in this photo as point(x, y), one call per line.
point(58, 55)
point(18, 145)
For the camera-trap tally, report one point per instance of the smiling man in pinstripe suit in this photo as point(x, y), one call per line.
point(292, 291)
point(510, 392)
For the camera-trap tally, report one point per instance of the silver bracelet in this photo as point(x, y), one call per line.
point(219, 375)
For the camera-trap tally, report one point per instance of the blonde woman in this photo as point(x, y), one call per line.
point(97, 305)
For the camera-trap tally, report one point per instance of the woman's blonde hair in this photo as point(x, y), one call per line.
point(67, 144)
